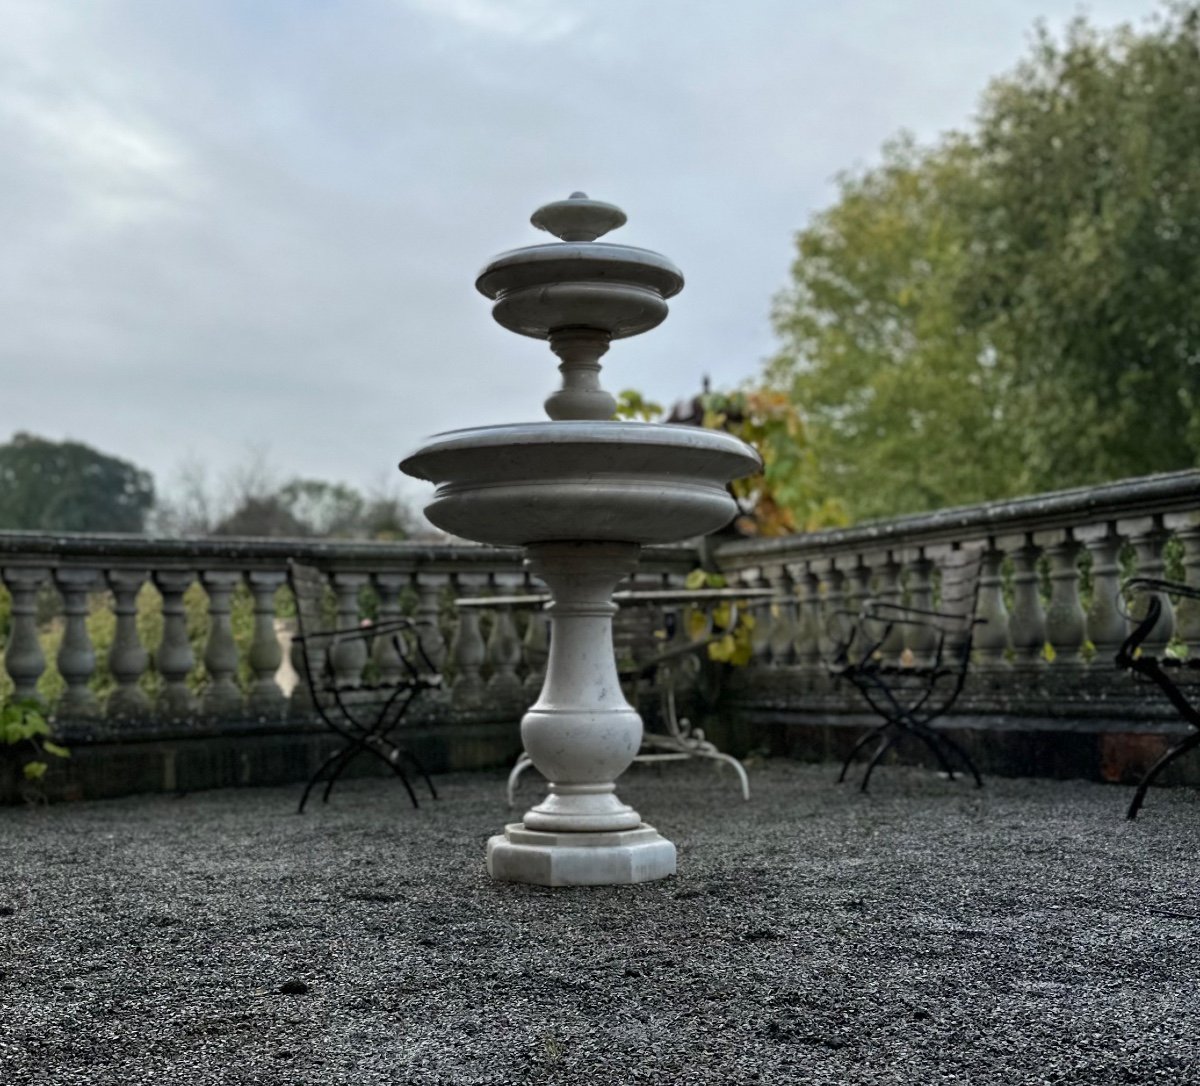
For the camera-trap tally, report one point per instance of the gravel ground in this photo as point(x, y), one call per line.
point(926, 933)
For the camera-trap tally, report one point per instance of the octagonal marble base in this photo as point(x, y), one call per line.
point(579, 859)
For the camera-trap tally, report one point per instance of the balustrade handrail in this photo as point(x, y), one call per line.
point(52, 549)
point(1125, 499)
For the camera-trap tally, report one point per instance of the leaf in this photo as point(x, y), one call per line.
point(53, 748)
point(34, 771)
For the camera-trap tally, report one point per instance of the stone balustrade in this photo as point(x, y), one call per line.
point(190, 657)
point(1043, 660)
point(195, 634)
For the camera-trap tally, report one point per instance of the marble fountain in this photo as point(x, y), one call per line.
point(582, 494)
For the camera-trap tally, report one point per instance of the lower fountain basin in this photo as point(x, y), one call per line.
point(539, 482)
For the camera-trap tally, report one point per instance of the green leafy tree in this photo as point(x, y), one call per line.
point(70, 487)
point(1016, 308)
point(780, 499)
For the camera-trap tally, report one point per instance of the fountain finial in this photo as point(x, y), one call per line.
point(577, 218)
point(580, 295)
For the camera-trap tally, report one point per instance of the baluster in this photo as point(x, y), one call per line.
point(383, 650)
point(127, 657)
point(23, 656)
point(783, 616)
point(266, 699)
point(921, 639)
point(1148, 538)
point(889, 590)
point(808, 640)
point(1027, 623)
point(536, 650)
point(467, 649)
point(221, 696)
point(834, 621)
point(991, 636)
point(300, 704)
point(1187, 611)
point(858, 591)
point(174, 658)
point(76, 657)
point(503, 655)
point(348, 657)
point(1065, 620)
point(1106, 625)
point(759, 610)
point(429, 588)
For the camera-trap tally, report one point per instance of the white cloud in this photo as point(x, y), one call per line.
point(538, 21)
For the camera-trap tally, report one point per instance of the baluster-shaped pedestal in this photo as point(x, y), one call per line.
point(991, 635)
point(348, 657)
point(174, 658)
point(429, 587)
point(266, 700)
point(1065, 620)
point(1027, 623)
point(581, 734)
point(503, 656)
point(222, 694)
point(76, 657)
point(127, 656)
point(383, 650)
point(782, 615)
point(23, 656)
point(467, 649)
point(921, 640)
point(1148, 538)
point(1187, 613)
point(1106, 625)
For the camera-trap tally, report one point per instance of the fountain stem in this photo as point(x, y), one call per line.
point(581, 396)
point(581, 734)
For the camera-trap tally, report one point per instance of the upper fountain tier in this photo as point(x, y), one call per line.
point(581, 477)
point(579, 294)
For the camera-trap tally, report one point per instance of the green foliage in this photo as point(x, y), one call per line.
point(1017, 308)
point(783, 497)
point(69, 487)
point(25, 730)
point(631, 404)
point(727, 627)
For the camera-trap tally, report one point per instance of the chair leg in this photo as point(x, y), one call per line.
point(395, 767)
point(1139, 796)
point(406, 753)
point(317, 776)
point(347, 757)
point(889, 741)
point(964, 757)
point(863, 740)
point(934, 742)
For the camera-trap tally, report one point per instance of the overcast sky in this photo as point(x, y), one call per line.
point(230, 224)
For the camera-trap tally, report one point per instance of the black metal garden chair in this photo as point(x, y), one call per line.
point(910, 691)
point(364, 710)
point(1178, 678)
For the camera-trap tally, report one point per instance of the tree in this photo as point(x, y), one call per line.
point(781, 498)
point(253, 502)
point(1016, 308)
point(70, 487)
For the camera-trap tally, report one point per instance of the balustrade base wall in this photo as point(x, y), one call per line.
point(236, 755)
point(1090, 725)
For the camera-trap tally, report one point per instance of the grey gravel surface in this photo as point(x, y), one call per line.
point(926, 933)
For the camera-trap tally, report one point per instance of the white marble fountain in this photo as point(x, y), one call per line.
point(582, 494)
